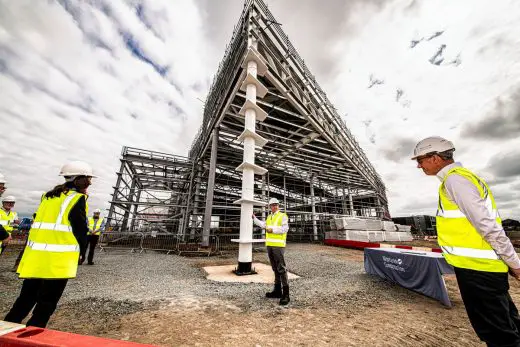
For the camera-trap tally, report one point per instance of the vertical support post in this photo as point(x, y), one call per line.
point(188, 201)
point(124, 226)
point(313, 210)
point(195, 216)
point(284, 194)
point(180, 230)
point(209, 192)
point(344, 207)
point(351, 202)
point(132, 226)
point(116, 192)
point(264, 197)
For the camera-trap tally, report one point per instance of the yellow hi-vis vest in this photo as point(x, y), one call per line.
point(272, 239)
point(461, 244)
point(52, 251)
point(95, 226)
point(6, 219)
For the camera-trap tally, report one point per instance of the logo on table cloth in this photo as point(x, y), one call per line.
point(393, 263)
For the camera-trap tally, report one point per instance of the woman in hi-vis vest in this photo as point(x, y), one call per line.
point(56, 239)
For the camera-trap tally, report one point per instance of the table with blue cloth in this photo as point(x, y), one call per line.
point(419, 271)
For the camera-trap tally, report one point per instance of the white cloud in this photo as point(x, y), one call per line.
point(441, 99)
point(73, 89)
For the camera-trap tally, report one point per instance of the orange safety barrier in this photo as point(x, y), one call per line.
point(38, 337)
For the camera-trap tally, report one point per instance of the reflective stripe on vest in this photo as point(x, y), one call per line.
point(52, 251)
point(95, 226)
point(459, 214)
point(51, 226)
point(462, 244)
point(470, 252)
point(52, 248)
point(274, 239)
point(6, 219)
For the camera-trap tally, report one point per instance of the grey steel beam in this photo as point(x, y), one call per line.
point(209, 192)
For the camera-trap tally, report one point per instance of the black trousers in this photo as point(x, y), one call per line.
point(92, 243)
point(41, 294)
point(276, 258)
point(3, 247)
point(20, 255)
point(490, 309)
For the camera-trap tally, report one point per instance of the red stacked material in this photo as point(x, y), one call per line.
point(363, 245)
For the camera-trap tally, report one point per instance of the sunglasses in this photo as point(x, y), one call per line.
point(421, 159)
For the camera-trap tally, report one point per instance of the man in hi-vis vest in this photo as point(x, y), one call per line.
point(276, 227)
point(472, 239)
point(95, 226)
point(4, 235)
point(8, 218)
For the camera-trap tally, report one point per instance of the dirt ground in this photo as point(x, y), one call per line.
point(215, 321)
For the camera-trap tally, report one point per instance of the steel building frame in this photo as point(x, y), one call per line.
point(315, 166)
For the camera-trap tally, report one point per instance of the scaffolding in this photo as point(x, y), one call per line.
point(150, 192)
point(315, 166)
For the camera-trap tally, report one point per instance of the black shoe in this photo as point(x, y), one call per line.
point(90, 263)
point(285, 297)
point(276, 293)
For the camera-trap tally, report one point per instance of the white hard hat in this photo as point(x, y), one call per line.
point(97, 210)
point(273, 201)
point(76, 168)
point(2, 179)
point(430, 145)
point(9, 198)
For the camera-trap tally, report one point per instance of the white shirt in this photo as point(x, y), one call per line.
point(464, 193)
point(276, 229)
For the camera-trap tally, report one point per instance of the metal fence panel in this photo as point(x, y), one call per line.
point(192, 245)
point(160, 242)
point(121, 240)
point(225, 244)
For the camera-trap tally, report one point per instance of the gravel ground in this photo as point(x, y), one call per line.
point(115, 296)
point(325, 280)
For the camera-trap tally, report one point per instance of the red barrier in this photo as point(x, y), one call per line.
point(38, 337)
point(363, 245)
point(351, 244)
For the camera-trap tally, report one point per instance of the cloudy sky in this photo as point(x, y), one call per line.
point(81, 79)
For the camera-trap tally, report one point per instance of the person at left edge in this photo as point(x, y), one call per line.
point(56, 240)
point(8, 217)
point(4, 235)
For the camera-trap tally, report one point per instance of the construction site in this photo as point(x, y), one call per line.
point(268, 131)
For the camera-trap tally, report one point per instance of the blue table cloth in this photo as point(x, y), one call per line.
point(415, 270)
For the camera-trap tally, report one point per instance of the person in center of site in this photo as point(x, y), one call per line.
point(473, 241)
point(276, 227)
point(96, 224)
point(8, 217)
point(4, 235)
point(56, 239)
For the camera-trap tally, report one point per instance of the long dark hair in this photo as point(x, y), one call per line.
point(59, 189)
point(79, 183)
